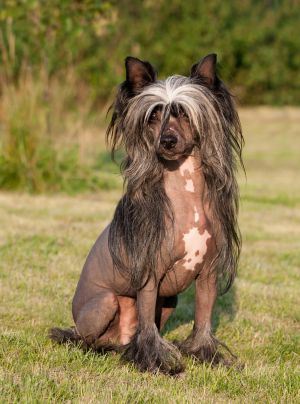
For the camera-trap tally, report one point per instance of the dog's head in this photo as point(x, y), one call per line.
point(172, 118)
point(168, 115)
point(169, 108)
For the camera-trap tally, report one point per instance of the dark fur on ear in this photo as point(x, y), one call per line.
point(139, 73)
point(205, 71)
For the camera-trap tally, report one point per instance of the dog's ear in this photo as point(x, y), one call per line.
point(139, 73)
point(205, 70)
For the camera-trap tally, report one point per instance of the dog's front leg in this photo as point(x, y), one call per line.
point(202, 343)
point(147, 349)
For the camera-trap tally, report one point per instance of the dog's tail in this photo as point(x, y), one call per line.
point(70, 337)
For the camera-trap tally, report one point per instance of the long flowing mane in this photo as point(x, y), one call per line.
point(143, 219)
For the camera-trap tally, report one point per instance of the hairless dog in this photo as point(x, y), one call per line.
point(176, 223)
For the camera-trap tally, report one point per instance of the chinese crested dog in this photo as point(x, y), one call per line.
point(176, 223)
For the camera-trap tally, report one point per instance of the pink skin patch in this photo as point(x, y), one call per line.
point(188, 166)
point(190, 186)
point(196, 215)
point(195, 247)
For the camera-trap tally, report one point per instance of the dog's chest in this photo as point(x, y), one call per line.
point(192, 244)
point(193, 233)
point(192, 224)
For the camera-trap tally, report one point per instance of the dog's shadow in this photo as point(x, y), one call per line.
point(224, 310)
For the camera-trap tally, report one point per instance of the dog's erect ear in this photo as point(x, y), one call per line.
point(139, 73)
point(205, 70)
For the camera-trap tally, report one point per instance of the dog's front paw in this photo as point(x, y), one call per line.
point(149, 351)
point(203, 345)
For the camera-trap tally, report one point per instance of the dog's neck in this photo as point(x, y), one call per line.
point(184, 180)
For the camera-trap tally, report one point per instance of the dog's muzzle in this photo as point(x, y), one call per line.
point(168, 142)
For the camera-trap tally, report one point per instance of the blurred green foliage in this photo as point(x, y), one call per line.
point(257, 41)
point(60, 61)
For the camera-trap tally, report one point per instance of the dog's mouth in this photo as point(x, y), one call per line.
point(174, 154)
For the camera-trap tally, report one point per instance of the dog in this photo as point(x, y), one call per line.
point(176, 223)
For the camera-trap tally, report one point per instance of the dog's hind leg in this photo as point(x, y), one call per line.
point(94, 318)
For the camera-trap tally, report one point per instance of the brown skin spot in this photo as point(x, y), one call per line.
point(196, 253)
point(190, 260)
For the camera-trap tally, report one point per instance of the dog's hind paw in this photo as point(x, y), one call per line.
point(150, 352)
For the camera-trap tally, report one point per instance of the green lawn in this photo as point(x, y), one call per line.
point(44, 241)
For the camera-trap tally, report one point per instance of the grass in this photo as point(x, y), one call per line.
point(45, 240)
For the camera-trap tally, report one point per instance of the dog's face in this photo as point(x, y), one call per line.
point(175, 139)
point(165, 115)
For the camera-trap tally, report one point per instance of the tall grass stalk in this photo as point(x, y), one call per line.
point(43, 134)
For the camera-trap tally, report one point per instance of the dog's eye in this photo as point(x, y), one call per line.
point(185, 115)
point(153, 116)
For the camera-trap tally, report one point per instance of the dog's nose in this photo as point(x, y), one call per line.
point(168, 142)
